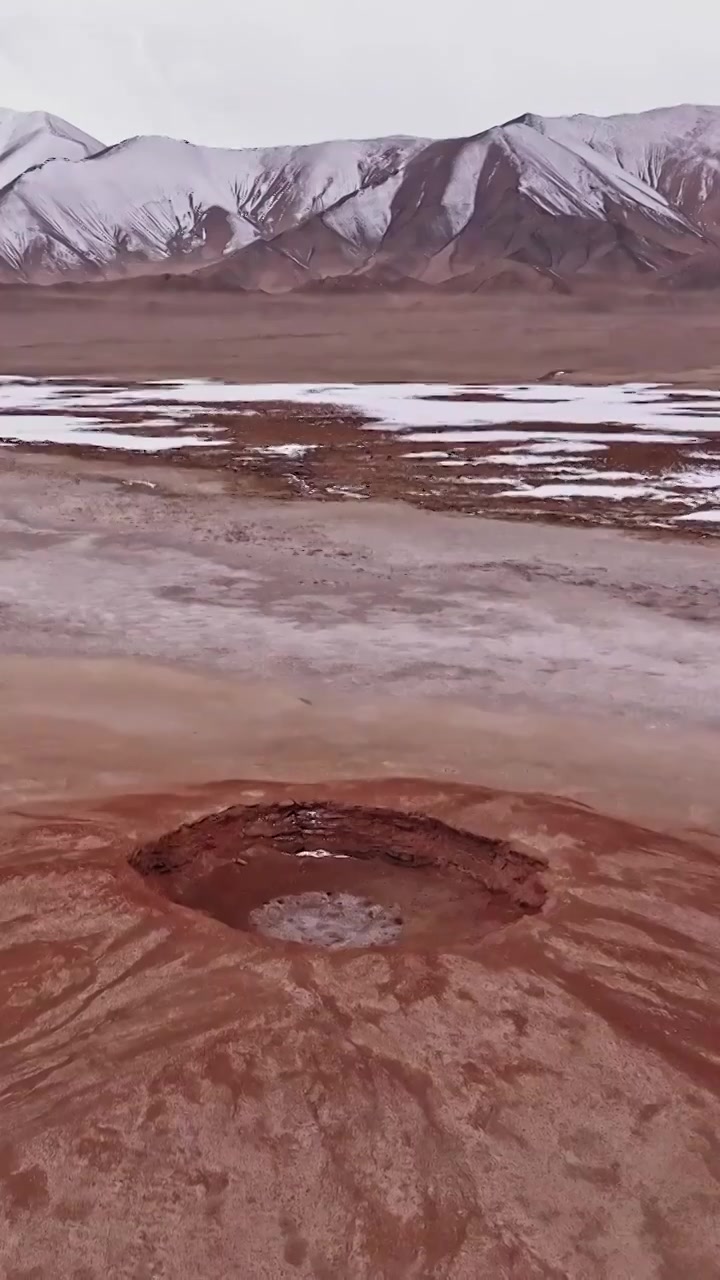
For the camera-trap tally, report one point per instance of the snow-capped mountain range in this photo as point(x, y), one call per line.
point(536, 200)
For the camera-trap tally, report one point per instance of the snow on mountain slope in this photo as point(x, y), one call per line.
point(556, 196)
point(30, 138)
point(675, 150)
point(640, 143)
point(516, 194)
point(575, 178)
point(561, 178)
point(154, 199)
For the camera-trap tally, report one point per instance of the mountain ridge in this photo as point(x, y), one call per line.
point(560, 198)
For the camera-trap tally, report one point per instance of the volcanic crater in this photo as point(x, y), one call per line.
point(344, 876)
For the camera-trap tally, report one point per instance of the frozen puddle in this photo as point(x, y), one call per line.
point(643, 448)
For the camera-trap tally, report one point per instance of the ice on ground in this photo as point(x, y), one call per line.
point(546, 433)
point(347, 491)
point(711, 516)
point(560, 446)
point(426, 453)
point(519, 459)
point(398, 406)
point(39, 428)
point(320, 853)
point(284, 450)
point(697, 479)
point(614, 492)
point(555, 428)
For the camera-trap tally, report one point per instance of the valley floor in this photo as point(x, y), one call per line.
point(142, 329)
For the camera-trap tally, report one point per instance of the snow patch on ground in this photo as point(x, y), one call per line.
point(319, 853)
point(284, 450)
point(711, 516)
point(407, 406)
point(555, 428)
point(38, 428)
point(615, 492)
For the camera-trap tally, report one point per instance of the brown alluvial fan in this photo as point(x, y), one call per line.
point(537, 202)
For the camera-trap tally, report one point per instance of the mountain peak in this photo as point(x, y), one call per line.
point(30, 138)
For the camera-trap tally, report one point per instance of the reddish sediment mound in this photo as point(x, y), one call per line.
point(343, 876)
point(182, 1098)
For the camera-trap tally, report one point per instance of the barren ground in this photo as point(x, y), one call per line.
point(185, 1097)
point(142, 330)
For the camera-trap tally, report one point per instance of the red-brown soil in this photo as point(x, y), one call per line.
point(183, 1098)
point(446, 888)
point(186, 1099)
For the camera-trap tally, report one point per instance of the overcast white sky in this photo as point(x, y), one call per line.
point(235, 73)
